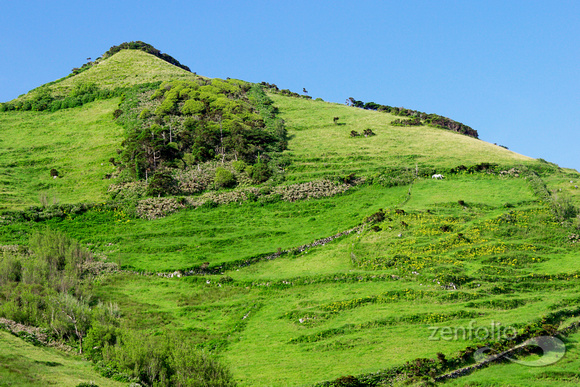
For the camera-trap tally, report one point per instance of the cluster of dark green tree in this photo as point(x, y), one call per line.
point(49, 284)
point(183, 123)
point(416, 117)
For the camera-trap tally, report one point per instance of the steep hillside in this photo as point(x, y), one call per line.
point(77, 143)
point(124, 68)
point(269, 232)
point(23, 364)
point(319, 146)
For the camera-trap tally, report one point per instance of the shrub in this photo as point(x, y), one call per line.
point(167, 359)
point(145, 113)
point(161, 183)
point(239, 166)
point(260, 172)
point(193, 107)
point(224, 178)
point(377, 217)
point(347, 381)
point(154, 208)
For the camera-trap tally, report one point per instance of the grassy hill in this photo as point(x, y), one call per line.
point(397, 256)
point(320, 147)
point(78, 143)
point(23, 364)
point(125, 68)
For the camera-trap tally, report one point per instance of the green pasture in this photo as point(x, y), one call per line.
point(123, 69)
point(23, 364)
point(319, 147)
point(319, 315)
point(227, 233)
point(77, 142)
point(563, 373)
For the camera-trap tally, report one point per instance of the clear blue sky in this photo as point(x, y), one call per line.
point(509, 69)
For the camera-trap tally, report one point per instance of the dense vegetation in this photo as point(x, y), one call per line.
point(184, 123)
point(50, 286)
point(43, 99)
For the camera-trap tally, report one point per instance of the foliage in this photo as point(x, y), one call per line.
point(259, 172)
point(198, 121)
point(224, 178)
point(161, 184)
point(48, 286)
point(154, 208)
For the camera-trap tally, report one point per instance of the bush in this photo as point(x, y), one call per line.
point(161, 183)
point(260, 172)
point(145, 113)
point(224, 178)
point(239, 166)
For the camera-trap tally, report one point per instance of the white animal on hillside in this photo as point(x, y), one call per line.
point(437, 176)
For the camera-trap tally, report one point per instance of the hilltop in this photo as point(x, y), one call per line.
point(269, 238)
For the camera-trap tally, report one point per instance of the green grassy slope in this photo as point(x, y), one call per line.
point(359, 304)
point(356, 318)
point(563, 373)
point(125, 68)
point(76, 142)
point(22, 364)
point(320, 147)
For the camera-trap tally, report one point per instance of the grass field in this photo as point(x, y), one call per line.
point(563, 373)
point(305, 318)
point(77, 142)
point(22, 364)
point(319, 147)
point(475, 249)
point(125, 68)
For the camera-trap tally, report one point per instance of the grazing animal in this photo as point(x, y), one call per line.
point(400, 212)
point(437, 176)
